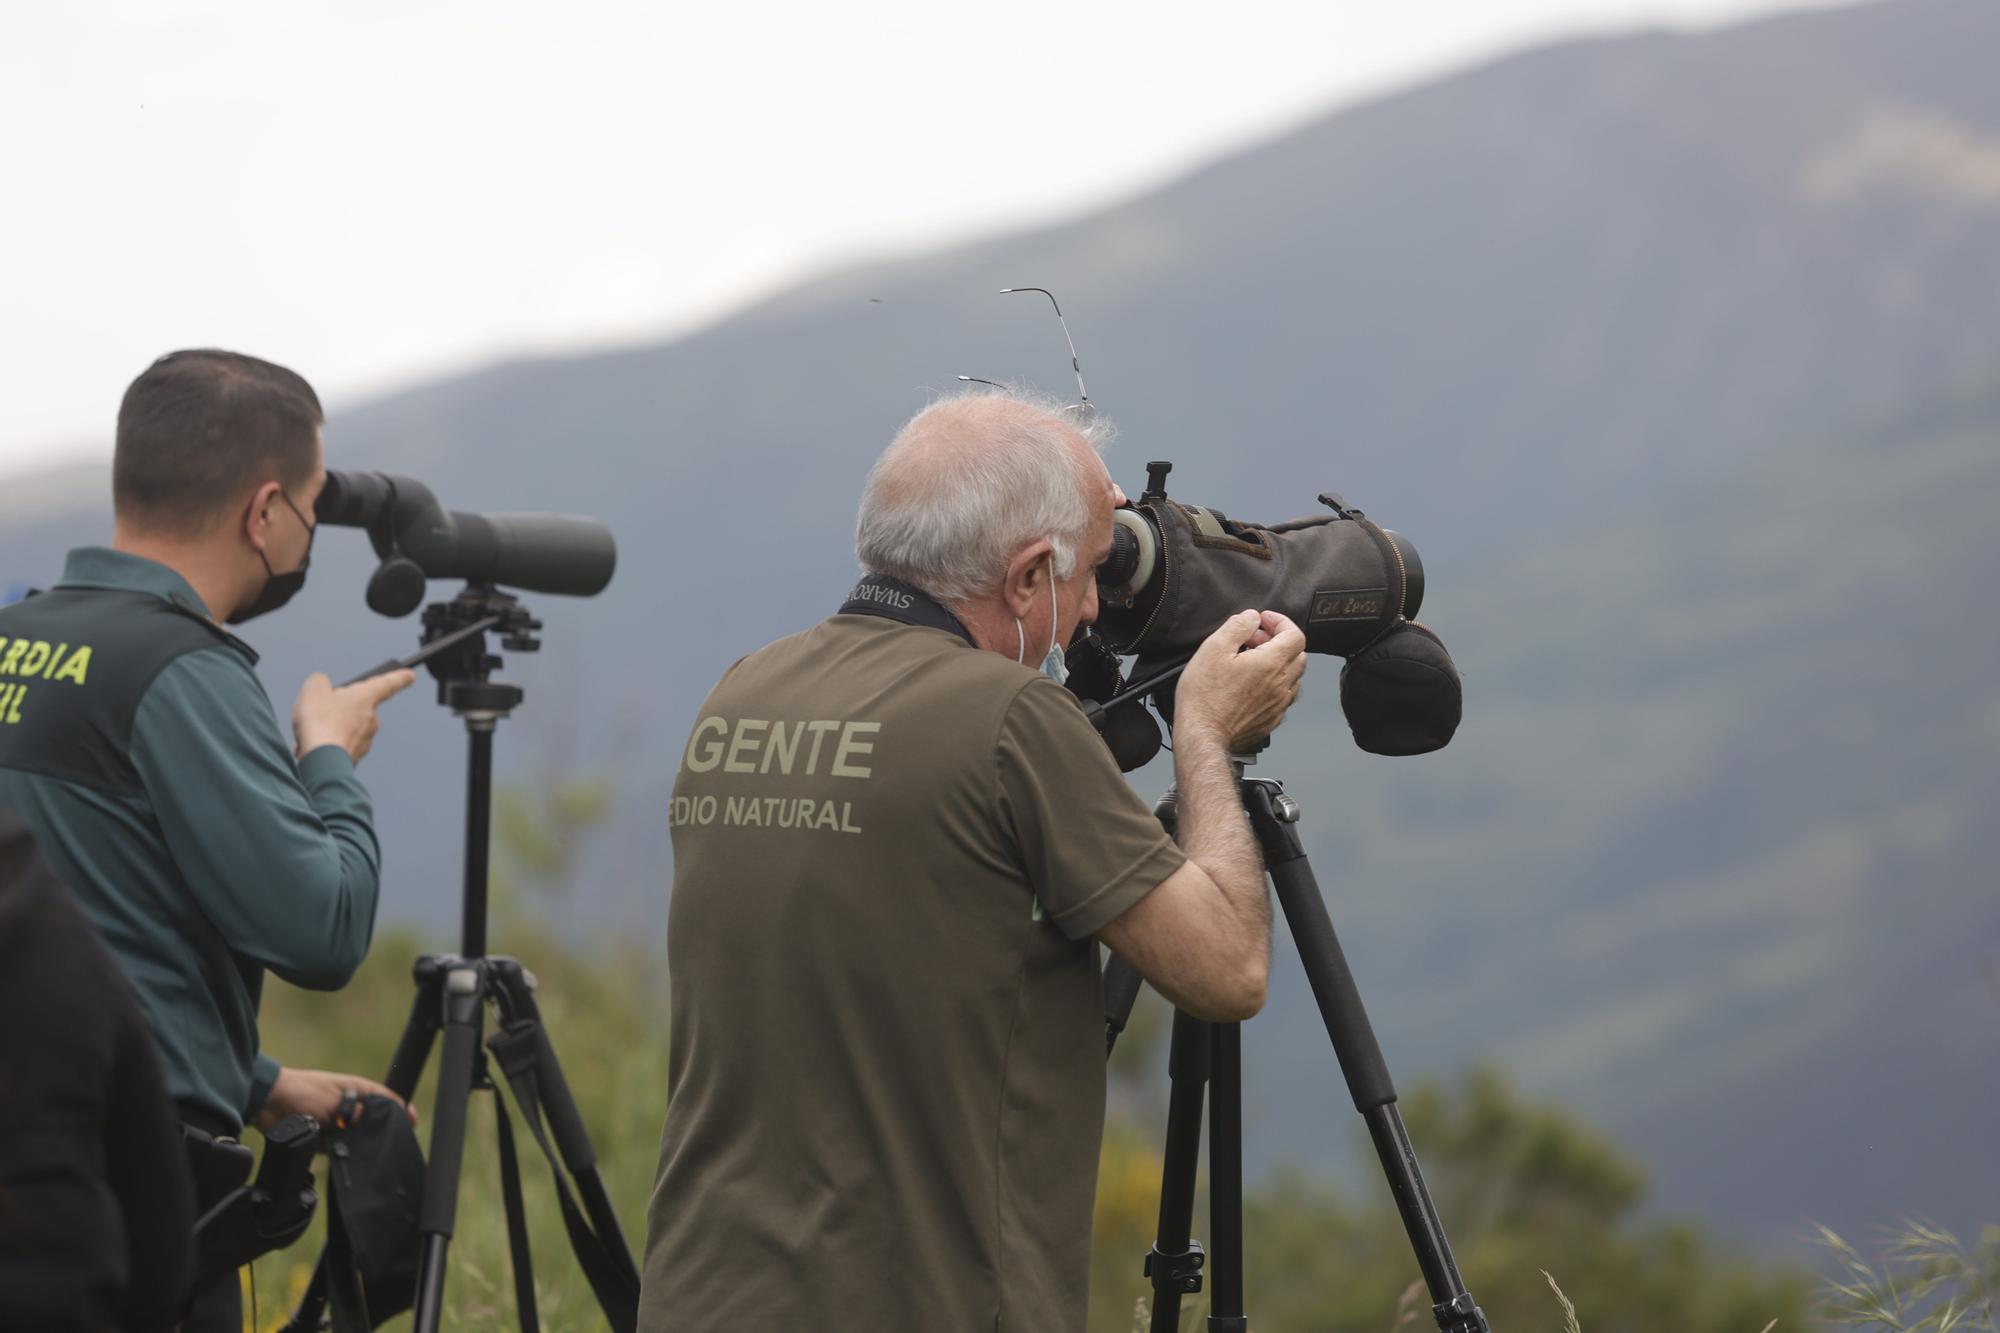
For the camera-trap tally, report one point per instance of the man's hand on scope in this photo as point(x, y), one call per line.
point(1241, 680)
point(344, 716)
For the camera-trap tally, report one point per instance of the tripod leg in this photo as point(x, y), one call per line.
point(1360, 1055)
point(406, 1069)
point(1225, 1182)
point(463, 1013)
point(1176, 1260)
point(565, 1122)
point(413, 1049)
point(518, 1251)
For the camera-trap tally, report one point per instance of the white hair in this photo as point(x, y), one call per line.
point(968, 482)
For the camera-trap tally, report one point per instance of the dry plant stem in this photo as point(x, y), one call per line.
point(1929, 1283)
point(1569, 1311)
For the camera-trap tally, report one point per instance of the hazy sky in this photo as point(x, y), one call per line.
point(379, 191)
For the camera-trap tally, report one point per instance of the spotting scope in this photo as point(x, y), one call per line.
point(417, 539)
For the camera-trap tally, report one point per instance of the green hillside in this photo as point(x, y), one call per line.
point(1725, 786)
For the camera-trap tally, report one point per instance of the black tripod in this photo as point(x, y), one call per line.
point(453, 991)
point(1206, 1058)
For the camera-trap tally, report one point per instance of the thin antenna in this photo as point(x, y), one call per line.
point(974, 379)
point(1074, 364)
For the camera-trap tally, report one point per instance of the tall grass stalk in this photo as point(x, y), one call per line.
point(1926, 1282)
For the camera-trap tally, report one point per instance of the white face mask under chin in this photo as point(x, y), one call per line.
point(1054, 665)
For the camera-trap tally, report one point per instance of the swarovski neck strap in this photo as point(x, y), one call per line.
point(893, 599)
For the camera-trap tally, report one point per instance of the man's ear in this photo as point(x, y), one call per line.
point(257, 517)
point(1026, 573)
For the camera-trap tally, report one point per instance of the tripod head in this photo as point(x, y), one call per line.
point(454, 650)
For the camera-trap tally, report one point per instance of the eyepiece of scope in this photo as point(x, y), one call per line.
point(353, 499)
point(1134, 551)
point(1118, 567)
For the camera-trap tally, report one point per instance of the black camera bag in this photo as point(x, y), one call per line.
point(376, 1180)
point(1401, 693)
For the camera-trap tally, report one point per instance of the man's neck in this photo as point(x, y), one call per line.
point(991, 626)
point(204, 572)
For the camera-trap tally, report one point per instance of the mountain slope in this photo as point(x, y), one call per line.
point(1712, 855)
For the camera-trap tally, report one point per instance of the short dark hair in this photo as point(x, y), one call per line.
point(199, 427)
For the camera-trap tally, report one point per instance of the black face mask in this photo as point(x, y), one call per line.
point(279, 588)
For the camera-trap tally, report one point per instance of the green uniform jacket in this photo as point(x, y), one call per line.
point(138, 743)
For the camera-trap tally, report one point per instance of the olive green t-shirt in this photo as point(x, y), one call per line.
point(891, 853)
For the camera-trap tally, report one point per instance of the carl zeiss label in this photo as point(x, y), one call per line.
point(1353, 604)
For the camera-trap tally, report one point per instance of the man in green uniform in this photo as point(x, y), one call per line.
point(897, 842)
point(138, 744)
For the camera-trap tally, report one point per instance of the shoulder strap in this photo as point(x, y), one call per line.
point(893, 599)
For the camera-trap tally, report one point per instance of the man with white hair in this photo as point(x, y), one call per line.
point(897, 842)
